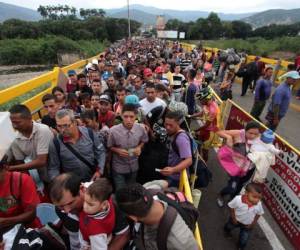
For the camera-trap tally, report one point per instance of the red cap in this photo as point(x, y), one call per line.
point(147, 72)
point(159, 70)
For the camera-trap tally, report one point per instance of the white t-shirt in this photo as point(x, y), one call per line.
point(148, 106)
point(243, 213)
point(260, 146)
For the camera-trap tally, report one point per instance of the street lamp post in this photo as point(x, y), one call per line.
point(128, 17)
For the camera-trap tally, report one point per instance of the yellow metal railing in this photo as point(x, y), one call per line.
point(184, 187)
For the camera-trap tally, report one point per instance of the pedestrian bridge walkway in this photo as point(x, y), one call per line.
point(285, 172)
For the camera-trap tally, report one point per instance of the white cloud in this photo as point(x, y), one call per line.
point(228, 6)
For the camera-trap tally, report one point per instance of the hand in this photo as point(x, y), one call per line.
point(234, 221)
point(123, 152)
point(96, 175)
point(3, 223)
point(137, 151)
point(167, 171)
point(275, 121)
point(2, 245)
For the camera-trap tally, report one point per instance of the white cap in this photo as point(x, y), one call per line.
point(95, 61)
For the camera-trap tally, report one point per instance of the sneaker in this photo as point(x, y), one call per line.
point(220, 202)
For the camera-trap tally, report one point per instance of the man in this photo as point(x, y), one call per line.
point(191, 91)
point(140, 206)
point(151, 101)
point(96, 86)
point(281, 100)
point(106, 116)
point(210, 118)
point(180, 158)
point(148, 75)
point(125, 141)
point(262, 93)
point(72, 81)
point(250, 75)
point(121, 94)
point(75, 149)
point(82, 85)
point(167, 72)
point(67, 195)
point(138, 89)
point(31, 146)
point(111, 91)
point(52, 107)
point(159, 78)
point(18, 200)
point(177, 85)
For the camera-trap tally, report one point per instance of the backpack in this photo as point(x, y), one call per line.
point(177, 204)
point(198, 167)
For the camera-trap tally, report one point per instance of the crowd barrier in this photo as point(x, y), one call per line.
point(282, 190)
point(282, 187)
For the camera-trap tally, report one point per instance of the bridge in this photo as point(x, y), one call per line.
point(278, 229)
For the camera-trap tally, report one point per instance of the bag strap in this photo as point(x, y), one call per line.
point(75, 152)
point(16, 185)
point(164, 228)
point(174, 145)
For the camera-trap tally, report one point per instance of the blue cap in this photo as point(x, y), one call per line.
point(132, 99)
point(106, 75)
point(268, 136)
point(71, 72)
point(292, 74)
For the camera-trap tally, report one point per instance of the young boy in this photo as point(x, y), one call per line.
point(97, 220)
point(245, 211)
point(106, 116)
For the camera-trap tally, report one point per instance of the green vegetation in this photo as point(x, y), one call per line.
point(257, 46)
point(213, 27)
point(61, 30)
point(22, 98)
point(44, 50)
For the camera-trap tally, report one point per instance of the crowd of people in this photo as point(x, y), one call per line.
point(122, 127)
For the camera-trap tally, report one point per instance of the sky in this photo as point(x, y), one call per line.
point(226, 6)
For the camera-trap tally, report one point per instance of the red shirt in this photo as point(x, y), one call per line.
point(15, 202)
point(94, 225)
point(107, 119)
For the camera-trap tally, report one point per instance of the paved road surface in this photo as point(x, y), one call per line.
point(289, 126)
point(213, 218)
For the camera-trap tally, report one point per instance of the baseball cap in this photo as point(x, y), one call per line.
point(105, 98)
point(147, 72)
point(71, 72)
point(132, 99)
point(106, 75)
point(159, 70)
point(268, 136)
point(292, 74)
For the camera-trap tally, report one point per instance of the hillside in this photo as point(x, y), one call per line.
point(8, 11)
point(276, 16)
point(183, 15)
point(137, 15)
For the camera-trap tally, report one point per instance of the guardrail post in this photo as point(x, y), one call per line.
point(56, 73)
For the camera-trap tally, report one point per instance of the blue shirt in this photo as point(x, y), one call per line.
point(282, 97)
point(263, 89)
point(190, 98)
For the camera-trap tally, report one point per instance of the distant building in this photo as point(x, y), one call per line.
point(160, 22)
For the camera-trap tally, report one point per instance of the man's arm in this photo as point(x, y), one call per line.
point(39, 162)
point(25, 217)
point(54, 163)
point(118, 242)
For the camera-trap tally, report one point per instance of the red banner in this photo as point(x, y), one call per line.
point(282, 188)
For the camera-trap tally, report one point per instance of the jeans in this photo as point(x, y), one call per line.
point(235, 184)
point(173, 183)
point(121, 180)
point(245, 84)
point(257, 109)
point(244, 232)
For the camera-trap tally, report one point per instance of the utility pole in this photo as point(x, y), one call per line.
point(128, 17)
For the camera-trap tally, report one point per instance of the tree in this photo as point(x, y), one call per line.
point(43, 11)
point(241, 29)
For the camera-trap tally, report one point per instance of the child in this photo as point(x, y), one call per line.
point(245, 211)
point(97, 220)
point(262, 154)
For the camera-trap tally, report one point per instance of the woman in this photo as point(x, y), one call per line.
point(240, 141)
point(60, 96)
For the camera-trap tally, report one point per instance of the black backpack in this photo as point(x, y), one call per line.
point(177, 204)
point(198, 167)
